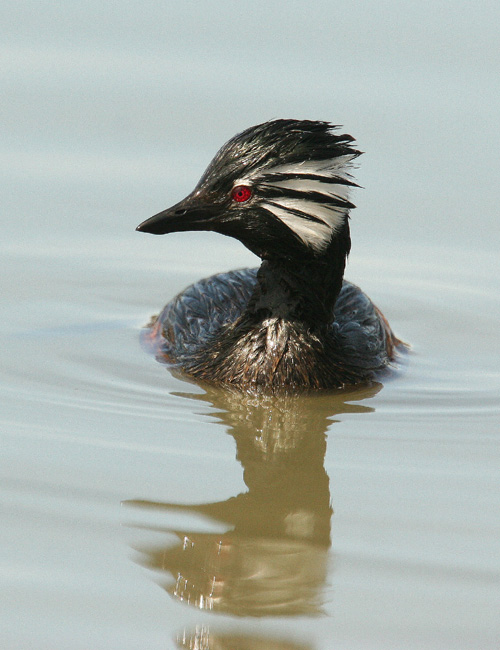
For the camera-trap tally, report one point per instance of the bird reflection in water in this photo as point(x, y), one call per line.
point(273, 559)
point(203, 639)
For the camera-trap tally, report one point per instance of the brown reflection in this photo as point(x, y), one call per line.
point(273, 559)
point(204, 639)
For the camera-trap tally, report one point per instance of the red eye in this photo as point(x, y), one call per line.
point(241, 193)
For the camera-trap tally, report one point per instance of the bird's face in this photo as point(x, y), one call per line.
point(281, 188)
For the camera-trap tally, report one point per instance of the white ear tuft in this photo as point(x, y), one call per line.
point(313, 222)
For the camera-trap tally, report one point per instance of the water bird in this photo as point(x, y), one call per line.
point(282, 188)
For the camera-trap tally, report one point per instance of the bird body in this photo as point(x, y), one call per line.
point(282, 189)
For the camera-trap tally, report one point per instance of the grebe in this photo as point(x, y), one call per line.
point(282, 189)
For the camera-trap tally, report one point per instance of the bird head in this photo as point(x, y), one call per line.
point(281, 188)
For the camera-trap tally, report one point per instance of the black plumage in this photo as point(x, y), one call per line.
point(281, 188)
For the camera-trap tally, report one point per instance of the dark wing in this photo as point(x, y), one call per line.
point(196, 315)
point(362, 330)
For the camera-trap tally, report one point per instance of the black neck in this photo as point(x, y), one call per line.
point(302, 290)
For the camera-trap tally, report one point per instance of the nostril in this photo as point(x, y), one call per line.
point(180, 211)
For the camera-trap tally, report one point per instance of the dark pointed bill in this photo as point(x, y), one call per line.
point(185, 215)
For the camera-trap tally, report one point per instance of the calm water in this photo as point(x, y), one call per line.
point(140, 510)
